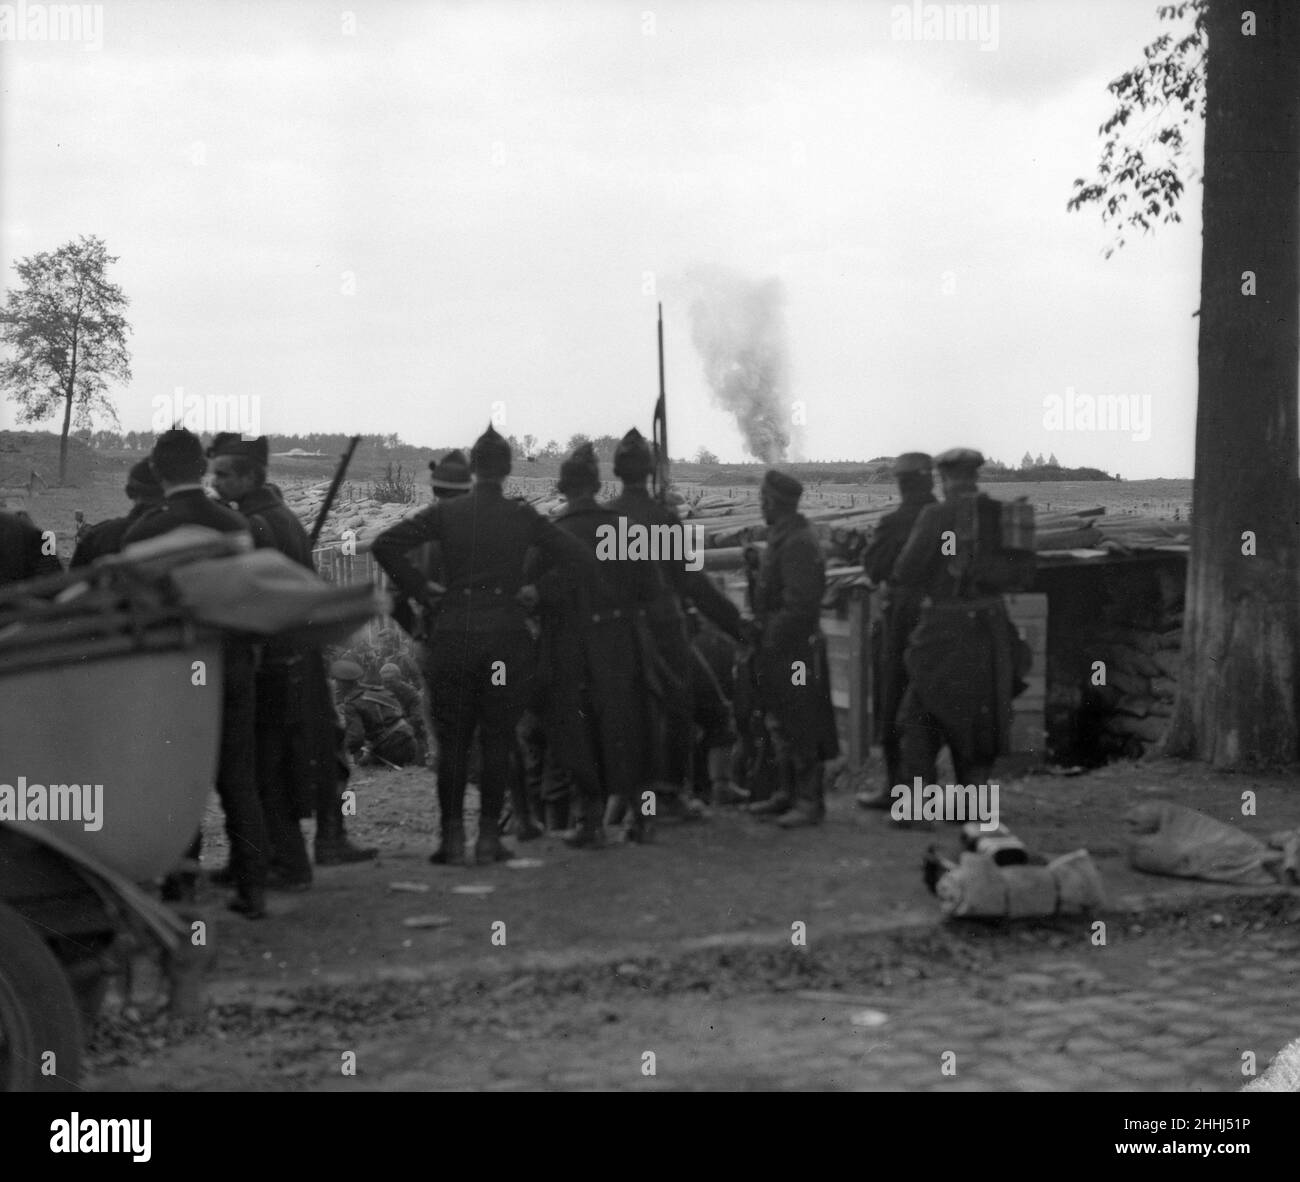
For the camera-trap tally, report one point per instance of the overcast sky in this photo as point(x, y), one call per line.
point(389, 218)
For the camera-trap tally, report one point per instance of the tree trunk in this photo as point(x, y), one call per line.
point(67, 422)
point(67, 413)
point(1239, 694)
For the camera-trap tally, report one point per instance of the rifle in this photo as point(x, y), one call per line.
point(328, 503)
point(660, 429)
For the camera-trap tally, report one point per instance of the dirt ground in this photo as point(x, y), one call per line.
point(562, 951)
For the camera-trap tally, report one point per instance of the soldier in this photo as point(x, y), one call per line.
point(145, 495)
point(960, 657)
point(791, 657)
point(481, 649)
point(178, 462)
point(377, 730)
point(410, 700)
point(899, 613)
point(22, 550)
point(662, 618)
point(597, 731)
point(294, 732)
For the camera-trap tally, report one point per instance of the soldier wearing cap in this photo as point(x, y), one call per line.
point(899, 612)
point(960, 656)
point(663, 636)
point(375, 725)
point(596, 727)
point(791, 660)
point(178, 462)
point(145, 494)
point(480, 647)
point(295, 737)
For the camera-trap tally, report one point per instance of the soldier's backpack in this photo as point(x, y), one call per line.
point(993, 562)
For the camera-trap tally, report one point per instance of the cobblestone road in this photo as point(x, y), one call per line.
point(1173, 1008)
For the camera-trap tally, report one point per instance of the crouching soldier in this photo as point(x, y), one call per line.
point(791, 660)
point(408, 697)
point(377, 730)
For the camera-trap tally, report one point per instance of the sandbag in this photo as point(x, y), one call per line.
point(1171, 839)
point(980, 889)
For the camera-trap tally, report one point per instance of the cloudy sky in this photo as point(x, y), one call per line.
point(389, 217)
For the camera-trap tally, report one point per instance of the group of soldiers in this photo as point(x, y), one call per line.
point(949, 660)
point(596, 689)
point(281, 748)
point(599, 688)
point(526, 633)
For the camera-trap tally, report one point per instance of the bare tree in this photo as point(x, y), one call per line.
point(65, 327)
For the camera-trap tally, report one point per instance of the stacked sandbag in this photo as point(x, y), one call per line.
point(1141, 647)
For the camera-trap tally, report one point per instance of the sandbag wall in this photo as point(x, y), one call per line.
point(1114, 641)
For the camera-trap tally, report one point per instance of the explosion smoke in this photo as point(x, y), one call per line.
point(738, 327)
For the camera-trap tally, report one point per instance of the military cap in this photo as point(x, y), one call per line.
point(580, 470)
point(781, 486)
point(451, 472)
point(490, 453)
point(389, 670)
point(231, 443)
point(346, 671)
point(633, 459)
point(912, 461)
point(959, 457)
point(141, 481)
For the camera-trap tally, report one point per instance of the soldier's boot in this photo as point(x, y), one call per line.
point(525, 824)
point(557, 815)
point(331, 845)
point(638, 829)
point(489, 847)
point(451, 848)
point(810, 803)
point(724, 790)
point(615, 811)
point(783, 799)
point(589, 832)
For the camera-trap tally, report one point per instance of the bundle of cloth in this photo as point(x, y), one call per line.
point(1171, 839)
point(977, 887)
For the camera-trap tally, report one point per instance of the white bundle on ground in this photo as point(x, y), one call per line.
point(981, 889)
point(1171, 839)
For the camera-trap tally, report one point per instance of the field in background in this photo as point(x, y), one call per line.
point(97, 478)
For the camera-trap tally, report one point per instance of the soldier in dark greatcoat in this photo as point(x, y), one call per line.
point(178, 461)
point(899, 615)
point(596, 725)
point(481, 649)
point(661, 621)
point(793, 685)
point(295, 716)
point(961, 655)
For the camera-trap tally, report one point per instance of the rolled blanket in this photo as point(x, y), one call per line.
point(980, 889)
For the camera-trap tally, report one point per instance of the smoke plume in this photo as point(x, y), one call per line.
point(738, 327)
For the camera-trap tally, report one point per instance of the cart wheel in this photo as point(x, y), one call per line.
point(38, 1013)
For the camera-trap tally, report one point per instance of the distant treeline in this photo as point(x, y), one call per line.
point(392, 448)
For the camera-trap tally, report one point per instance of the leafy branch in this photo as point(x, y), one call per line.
point(1139, 180)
